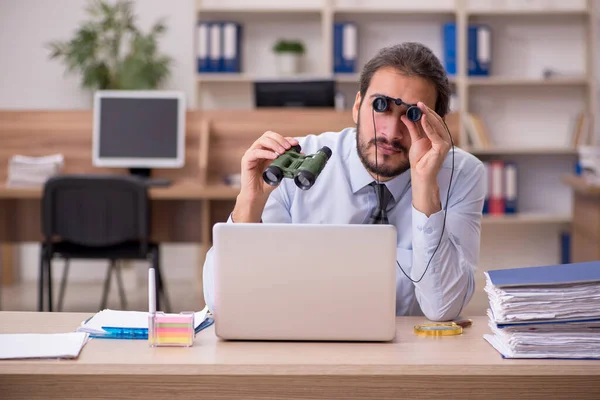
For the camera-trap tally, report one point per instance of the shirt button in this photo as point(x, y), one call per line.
point(429, 231)
point(419, 227)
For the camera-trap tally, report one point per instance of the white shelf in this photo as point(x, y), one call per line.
point(245, 6)
point(523, 151)
point(528, 12)
point(263, 10)
point(354, 78)
point(515, 81)
point(248, 78)
point(526, 218)
point(223, 77)
point(349, 78)
point(393, 10)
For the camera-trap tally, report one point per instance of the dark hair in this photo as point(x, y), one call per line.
point(411, 58)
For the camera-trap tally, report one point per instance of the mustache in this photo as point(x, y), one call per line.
point(396, 145)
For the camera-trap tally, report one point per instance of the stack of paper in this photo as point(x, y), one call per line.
point(42, 345)
point(545, 312)
point(33, 171)
point(130, 324)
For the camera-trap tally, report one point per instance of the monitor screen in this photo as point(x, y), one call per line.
point(290, 93)
point(143, 129)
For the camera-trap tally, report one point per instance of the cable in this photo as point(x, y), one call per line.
point(447, 195)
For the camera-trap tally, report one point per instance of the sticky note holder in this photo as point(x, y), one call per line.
point(171, 329)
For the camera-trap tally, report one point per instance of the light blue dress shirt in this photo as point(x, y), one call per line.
point(342, 195)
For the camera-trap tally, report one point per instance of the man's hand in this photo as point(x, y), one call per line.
point(430, 143)
point(254, 191)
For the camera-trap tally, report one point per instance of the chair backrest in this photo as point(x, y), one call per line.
point(96, 210)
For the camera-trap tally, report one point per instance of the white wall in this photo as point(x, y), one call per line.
point(29, 80)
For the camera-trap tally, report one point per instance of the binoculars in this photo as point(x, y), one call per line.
point(303, 169)
point(382, 103)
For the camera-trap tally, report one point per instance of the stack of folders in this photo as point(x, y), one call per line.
point(545, 312)
point(115, 324)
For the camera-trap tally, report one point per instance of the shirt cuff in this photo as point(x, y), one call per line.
point(427, 230)
point(230, 218)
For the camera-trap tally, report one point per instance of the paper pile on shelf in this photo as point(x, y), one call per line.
point(545, 312)
point(33, 171)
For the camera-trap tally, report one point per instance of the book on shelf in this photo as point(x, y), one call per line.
point(581, 134)
point(218, 47)
point(502, 187)
point(479, 57)
point(477, 131)
point(546, 311)
point(345, 47)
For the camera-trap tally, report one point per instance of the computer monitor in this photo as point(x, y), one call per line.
point(294, 93)
point(139, 130)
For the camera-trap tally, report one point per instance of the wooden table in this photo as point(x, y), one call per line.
point(463, 366)
point(585, 228)
point(184, 212)
point(177, 211)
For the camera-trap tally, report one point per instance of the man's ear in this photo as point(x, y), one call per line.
point(356, 107)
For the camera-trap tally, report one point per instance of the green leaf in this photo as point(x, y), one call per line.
point(288, 46)
point(96, 77)
point(111, 52)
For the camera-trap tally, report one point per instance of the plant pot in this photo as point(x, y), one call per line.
point(288, 63)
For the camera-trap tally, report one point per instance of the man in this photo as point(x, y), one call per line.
point(414, 160)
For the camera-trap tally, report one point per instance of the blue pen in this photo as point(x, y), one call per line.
point(125, 330)
point(118, 336)
point(125, 333)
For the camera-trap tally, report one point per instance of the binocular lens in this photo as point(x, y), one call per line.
point(273, 175)
point(304, 180)
point(414, 113)
point(327, 151)
point(380, 104)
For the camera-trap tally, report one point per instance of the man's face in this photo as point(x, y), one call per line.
point(393, 138)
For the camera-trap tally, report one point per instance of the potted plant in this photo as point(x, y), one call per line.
point(111, 52)
point(289, 53)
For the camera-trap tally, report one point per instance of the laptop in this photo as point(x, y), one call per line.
point(304, 282)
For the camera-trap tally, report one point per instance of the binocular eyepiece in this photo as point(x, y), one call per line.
point(303, 169)
point(382, 103)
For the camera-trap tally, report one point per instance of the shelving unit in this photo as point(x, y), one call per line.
point(529, 117)
point(526, 219)
point(523, 151)
point(526, 82)
point(265, 21)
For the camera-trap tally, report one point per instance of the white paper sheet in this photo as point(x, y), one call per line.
point(42, 345)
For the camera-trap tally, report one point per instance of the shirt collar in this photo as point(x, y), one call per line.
point(360, 177)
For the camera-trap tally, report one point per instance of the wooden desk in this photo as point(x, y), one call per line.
point(176, 212)
point(181, 213)
point(214, 144)
point(411, 367)
point(585, 228)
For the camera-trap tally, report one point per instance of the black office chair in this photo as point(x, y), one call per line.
point(96, 217)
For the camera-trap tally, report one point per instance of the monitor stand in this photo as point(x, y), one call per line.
point(144, 174)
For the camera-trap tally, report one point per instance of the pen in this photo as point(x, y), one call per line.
point(119, 333)
point(151, 291)
point(133, 331)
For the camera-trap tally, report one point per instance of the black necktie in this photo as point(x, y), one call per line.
point(383, 195)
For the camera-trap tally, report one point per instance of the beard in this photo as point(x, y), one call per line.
point(392, 165)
